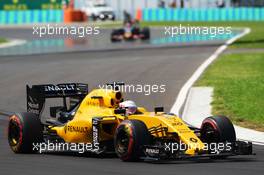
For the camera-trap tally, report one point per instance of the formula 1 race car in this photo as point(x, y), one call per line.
point(131, 31)
point(97, 118)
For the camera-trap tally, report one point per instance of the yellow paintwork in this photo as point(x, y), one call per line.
point(79, 130)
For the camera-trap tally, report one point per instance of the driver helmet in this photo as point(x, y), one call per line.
point(129, 105)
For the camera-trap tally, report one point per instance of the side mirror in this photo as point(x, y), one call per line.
point(158, 109)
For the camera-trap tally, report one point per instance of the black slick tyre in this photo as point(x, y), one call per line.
point(130, 137)
point(24, 129)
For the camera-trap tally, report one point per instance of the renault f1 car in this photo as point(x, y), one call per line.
point(96, 118)
point(131, 31)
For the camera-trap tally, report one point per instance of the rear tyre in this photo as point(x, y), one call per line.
point(24, 129)
point(146, 33)
point(116, 34)
point(130, 137)
point(113, 34)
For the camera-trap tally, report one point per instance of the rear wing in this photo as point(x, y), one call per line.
point(37, 94)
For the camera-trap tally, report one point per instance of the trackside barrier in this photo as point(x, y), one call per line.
point(30, 16)
point(212, 14)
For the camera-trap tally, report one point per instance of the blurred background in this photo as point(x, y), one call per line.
point(43, 11)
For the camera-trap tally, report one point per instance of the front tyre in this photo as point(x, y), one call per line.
point(130, 137)
point(217, 129)
point(24, 129)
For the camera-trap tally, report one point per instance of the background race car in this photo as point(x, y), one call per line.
point(130, 31)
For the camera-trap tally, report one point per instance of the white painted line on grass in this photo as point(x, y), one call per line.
point(185, 89)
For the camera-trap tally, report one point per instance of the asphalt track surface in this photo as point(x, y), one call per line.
point(171, 67)
point(72, 43)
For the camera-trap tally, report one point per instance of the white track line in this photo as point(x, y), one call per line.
point(12, 42)
point(185, 89)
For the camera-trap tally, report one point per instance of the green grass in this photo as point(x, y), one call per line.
point(238, 81)
point(253, 40)
point(2, 40)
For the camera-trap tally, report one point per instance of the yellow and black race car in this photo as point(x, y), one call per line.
point(95, 118)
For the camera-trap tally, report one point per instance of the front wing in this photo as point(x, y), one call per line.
point(159, 153)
